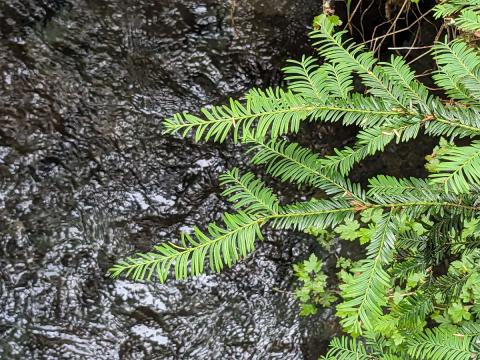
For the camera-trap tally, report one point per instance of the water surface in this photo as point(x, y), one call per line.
point(86, 178)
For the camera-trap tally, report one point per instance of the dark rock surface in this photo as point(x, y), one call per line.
point(86, 178)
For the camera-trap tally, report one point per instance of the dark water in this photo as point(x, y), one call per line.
point(86, 178)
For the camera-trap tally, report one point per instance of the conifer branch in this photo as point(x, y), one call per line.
point(410, 225)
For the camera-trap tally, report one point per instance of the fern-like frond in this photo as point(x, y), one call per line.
point(366, 294)
point(453, 121)
point(470, 329)
point(345, 348)
point(321, 214)
point(459, 169)
point(382, 242)
point(413, 310)
point(413, 264)
point(336, 51)
point(271, 111)
point(364, 297)
point(293, 163)
point(383, 185)
point(415, 92)
point(363, 111)
point(449, 286)
point(344, 159)
point(369, 141)
point(385, 189)
point(329, 213)
point(468, 20)
point(307, 78)
point(458, 70)
point(276, 112)
point(249, 193)
point(339, 81)
point(288, 161)
point(439, 344)
point(281, 112)
point(425, 200)
point(392, 83)
point(224, 246)
point(450, 7)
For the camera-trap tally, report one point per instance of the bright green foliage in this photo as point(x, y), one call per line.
point(439, 344)
point(415, 297)
point(366, 294)
point(325, 238)
point(224, 246)
point(458, 72)
point(459, 169)
point(291, 163)
point(453, 7)
point(247, 192)
point(346, 349)
point(348, 230)
point(468, 20)
point(313, 291)
point(465, 12)
point(421, 236)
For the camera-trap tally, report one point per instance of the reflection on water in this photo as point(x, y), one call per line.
point(87, 178)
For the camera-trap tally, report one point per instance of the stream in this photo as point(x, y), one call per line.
point(87, 178)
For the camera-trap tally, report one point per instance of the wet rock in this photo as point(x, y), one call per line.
point(86, 178)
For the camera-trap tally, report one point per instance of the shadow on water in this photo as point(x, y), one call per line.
point(86, 178)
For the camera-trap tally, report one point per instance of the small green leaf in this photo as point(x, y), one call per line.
point(335, 20)
point(308, 309)
point(458, 313)
point(414, 279)
point(312, 265)
point(366, 233)
point(349, 230)
point(371, 215)
point(397, 296)
point(303, 294)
